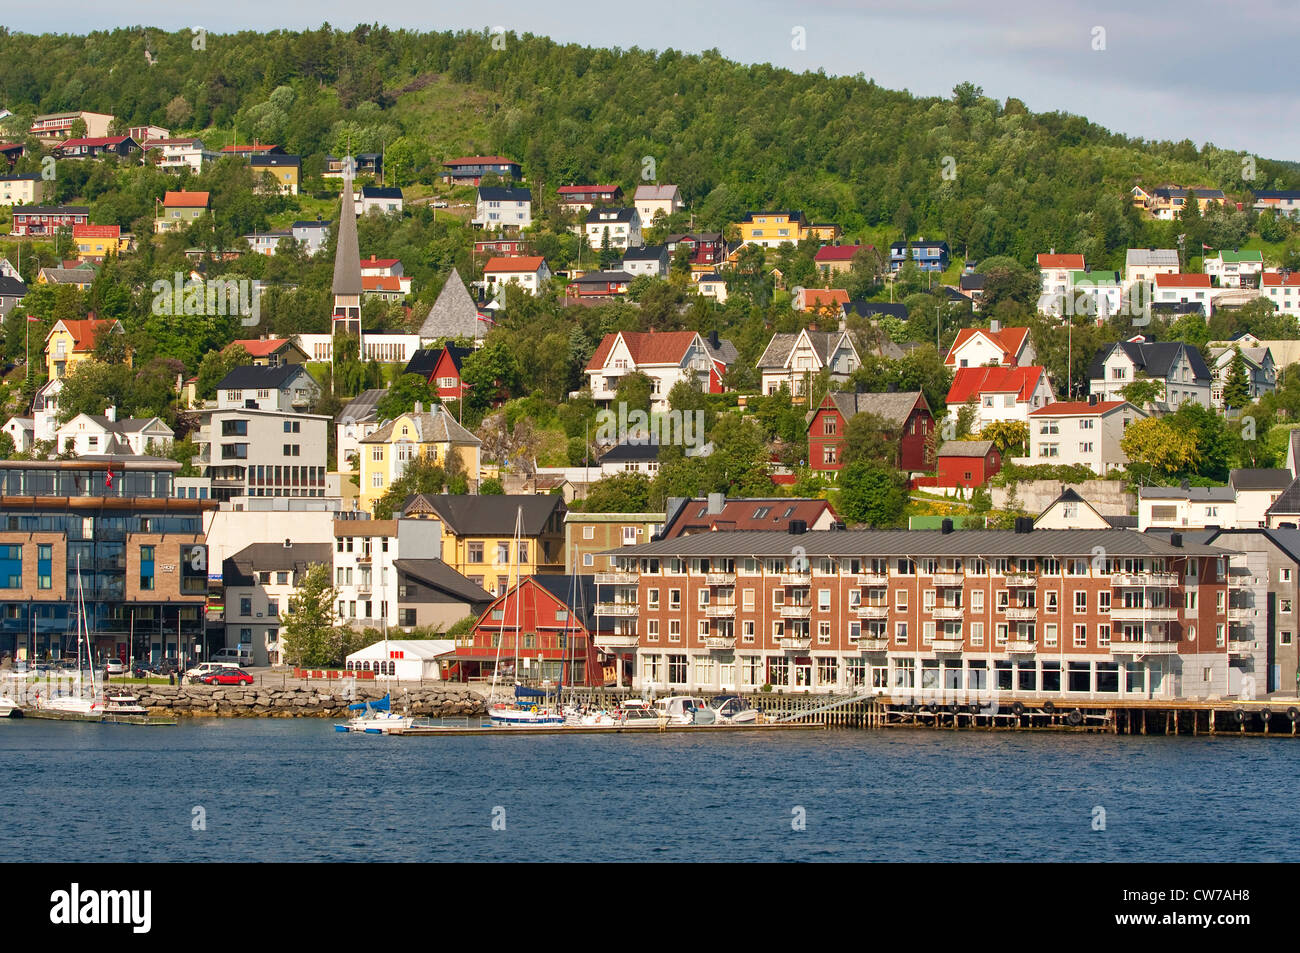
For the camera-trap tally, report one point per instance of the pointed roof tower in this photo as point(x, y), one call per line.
point(454, 314)
point(347, 254)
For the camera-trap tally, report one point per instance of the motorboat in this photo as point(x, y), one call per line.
point(682, 709)
point(637, 713)
point(733, 710)
point(376, 718)
point(9, 708)
point(123, 704)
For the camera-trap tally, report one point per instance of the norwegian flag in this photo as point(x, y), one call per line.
point(1205, 247)
point(33, 320)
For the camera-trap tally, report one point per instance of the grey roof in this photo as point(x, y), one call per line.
point(1141, 257)
point(646, 253)
point(891, 406)
point(435, 426)
point(1121, 522)
point(436, 573)
point(1196, 494)
point(11, 287)
point(496, 193)
point(362, 407)
point(725, 351)
point(653, 193)
point(610, 214)
point(468, 515)
point(778, 349)
point(379, 192)
point(628, 452)
point(237, 570)
point(966, 448)
point(1251, 355)
point(347, 251)
point(68, 276)
point(601, 277)
point(258, 377)
point(897, 542)
point(454, 314)
point(1154, 358)
point(1288, 503)
point(1260, 479)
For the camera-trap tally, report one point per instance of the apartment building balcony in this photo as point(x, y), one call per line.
point(720, 610)
point(610, 641)
point(1021, 579)
point(1239, 579)
point(625, 610)
point(866, 644)
point(720, 642)
point(948, 579)
point(871, 579)
point(1242, 615)
point(1022, 647)
point(1143, 613)
point(1144, 579)
point(873, 612)
point(1122, 646)
point(948, 645)
point(1241, 648)
point(719, 578)
point(796, 612)
point(796, 578)
point(1022, 613)
point(953, 613)
point(795, 643)
point(616, 578)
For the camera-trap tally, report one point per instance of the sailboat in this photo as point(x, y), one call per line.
point(76, 703)
point(376, 718)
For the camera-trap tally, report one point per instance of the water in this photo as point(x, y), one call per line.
point(299, 791)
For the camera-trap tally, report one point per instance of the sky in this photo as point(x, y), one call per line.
point(1155, 70)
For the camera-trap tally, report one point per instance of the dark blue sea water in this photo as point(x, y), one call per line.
point(298, 791)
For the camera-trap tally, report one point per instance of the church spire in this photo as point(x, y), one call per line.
point(347, 264)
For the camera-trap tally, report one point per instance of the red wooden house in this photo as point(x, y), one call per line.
point(46, 220)
point(968, 463)
point(906, 412)
point(440, 366)
point(545, 627)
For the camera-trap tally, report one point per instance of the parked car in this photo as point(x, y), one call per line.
point(203, 669)
point(115, 666)
point(227, 676)
point(239, 656)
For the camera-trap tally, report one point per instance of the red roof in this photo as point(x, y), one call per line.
point(521, 263)
point(481, 160)
point(84, 331)
point(1010, 340)
point(259, 348)
point(94, 141)
point(838, 252)
point(255, 148)
point(583, 189)
point(1274, 279)
point(971, 382)
point(1182, 281)
point(381, 283)
point(743, 514)
point(1073, 262)
point(645, 347)
point(1076, 408)
point(832, 298)
point(96, 231)
point(183, 199)
point(372, 262)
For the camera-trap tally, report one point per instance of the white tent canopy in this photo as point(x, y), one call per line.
point(403, 659)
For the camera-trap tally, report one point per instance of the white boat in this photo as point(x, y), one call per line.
point(376, 718)
point(9, 708)
point(122, 704)
point(733, 710)
point(681, 709)
point(637, 713)
point(522, 715)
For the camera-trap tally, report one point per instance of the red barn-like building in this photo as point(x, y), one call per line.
point(968, 463)
point(905, 411)
point(441, 368)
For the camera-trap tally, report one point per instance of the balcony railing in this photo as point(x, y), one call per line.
point(1122, 646)
point(948, 579)
point(873, 612)
point(718, 610)
point(876, 579)
point(795, 642)
point(1240, 647)
point(867, 644)
point(720, 579)
point(949, 612)
point(610, 640)
point(948, 645)
point(1022, 613)
point(720, 642)
point(616, 579)
point(1021, 579)
point(796, 612)
point(796, 578)
point(1022, 646)
point(1144, 579)
point(1242, 614)
point(1143, 613)
point(623, 609)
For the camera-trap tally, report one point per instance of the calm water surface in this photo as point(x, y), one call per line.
point(298, 791)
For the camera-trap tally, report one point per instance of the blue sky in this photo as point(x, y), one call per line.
point(1208, 72)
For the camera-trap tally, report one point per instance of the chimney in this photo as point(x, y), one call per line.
point(1176, 539)
point(716, 502)
point(419, 407)
point(714, 341)
point(111, 413)
point(945, 527)
point(995, 325)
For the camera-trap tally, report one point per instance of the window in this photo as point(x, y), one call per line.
point(1080, 600)
point(11, 567)
point(44, 562)
point(1080, 636)
point(146, 568)
point(245, 606)
point(475, 552)
point(674, 598)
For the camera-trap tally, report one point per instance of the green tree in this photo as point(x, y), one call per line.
point(307, 630)
point(636, 390)
point(869, 438)
point(491, 487)
point(405, 392)
point(620, 493)
point(422, 475)
point(872, 494)
point(215, 366)
point(1236, 385)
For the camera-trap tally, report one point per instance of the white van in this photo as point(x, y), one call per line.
point(238, 655)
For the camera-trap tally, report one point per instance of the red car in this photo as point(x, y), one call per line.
point(228, 676)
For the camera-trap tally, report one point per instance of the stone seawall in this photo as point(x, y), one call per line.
point(267, 702)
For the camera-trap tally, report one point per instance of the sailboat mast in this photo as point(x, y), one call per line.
point(519, 518)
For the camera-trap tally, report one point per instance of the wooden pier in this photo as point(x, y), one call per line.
point(448, 731)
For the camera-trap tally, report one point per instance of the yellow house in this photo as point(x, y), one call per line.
point(493, 539)
point(71, 342)
point(773, 229)
point(286, 170)
point(97, 242)
point(435, 434)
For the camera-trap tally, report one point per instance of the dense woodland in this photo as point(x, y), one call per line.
point(735, 138)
